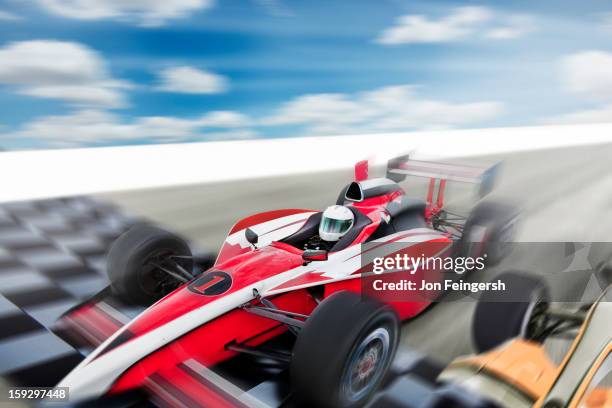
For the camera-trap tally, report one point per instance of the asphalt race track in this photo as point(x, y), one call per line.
point(565, 195)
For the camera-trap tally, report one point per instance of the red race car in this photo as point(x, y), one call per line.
point(285, 271)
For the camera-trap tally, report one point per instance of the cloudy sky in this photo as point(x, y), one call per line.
point(115, 72)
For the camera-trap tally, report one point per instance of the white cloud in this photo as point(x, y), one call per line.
point(60, 70)
point(6, 16)
point(43, 61)
point(598, 115)
point(232, 134)
point(387, 109)
point(224, 119)
point(517, 26)
point(191, 80)
point(92, 126)
point(421, 29)
point(77, 128)
point(393, 108)
point(78, 95)
point(588, 73)
point(333, 109)
point(149, 13)
point(461, 23)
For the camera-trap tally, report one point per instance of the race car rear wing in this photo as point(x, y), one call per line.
point(401, 167)
point(439, 173)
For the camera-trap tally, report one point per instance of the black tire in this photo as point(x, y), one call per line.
point(344, 333)
point(518, 311)
point(132, 276)
point(489, 229)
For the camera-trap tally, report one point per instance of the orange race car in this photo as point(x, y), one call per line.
point(514, 369)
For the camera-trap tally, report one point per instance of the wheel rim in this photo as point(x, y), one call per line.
point(366, 365)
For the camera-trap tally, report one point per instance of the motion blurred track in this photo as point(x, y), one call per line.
point(565, 195)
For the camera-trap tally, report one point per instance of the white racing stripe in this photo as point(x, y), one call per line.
point(341, 265)
point(94, 376)
point(272, 230)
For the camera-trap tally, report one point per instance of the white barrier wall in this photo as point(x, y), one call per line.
point(53, 173)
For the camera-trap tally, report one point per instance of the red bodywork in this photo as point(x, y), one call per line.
point(207, 342)
point(246, 267)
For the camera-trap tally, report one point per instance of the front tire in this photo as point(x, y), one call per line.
point(132, 259)
point(519, 311)
point(344, 351)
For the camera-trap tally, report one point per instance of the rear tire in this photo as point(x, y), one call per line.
point(519, 311)
point(344, 351)
point(130, 269)
point(489, 229)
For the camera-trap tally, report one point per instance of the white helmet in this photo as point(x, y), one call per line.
point(336, 221)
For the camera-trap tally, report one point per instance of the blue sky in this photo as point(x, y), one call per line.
point(112, 72)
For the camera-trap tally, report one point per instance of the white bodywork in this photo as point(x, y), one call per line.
point(93, 377)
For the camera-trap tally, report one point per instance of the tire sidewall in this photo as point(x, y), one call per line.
point(384, 320)
point(130, 252)
point(324, 346)
point(501, 317)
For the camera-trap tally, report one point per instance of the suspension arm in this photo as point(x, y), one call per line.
point(577, 316)
point(277, 355)
point(282, 316)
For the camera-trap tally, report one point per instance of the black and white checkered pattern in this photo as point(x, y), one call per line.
point(52, 257)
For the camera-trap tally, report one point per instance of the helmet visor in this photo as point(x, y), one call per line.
point(331, 225)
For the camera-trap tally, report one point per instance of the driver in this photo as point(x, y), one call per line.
point(336, 221)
